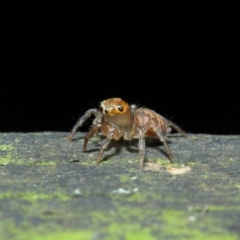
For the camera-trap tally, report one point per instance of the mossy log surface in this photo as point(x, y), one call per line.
point(50, 189)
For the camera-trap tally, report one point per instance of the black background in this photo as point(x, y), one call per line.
point(177, 58)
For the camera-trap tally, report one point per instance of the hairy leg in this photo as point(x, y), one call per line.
point(90, 133)
point(177, 128)
point(81, 120)
point(163, 140)
point(104, 145)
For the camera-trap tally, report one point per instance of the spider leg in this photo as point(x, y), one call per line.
point(163, 140)
point(90, 133)
point(81, 120)
point(104, 145)
point(177, 128)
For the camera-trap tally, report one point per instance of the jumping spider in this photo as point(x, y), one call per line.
point(116, 119)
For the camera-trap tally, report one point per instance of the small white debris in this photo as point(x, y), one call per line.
point(192, 218)
point(121, 191)
point(134, 178)
point(77, 192)
point(177, 171)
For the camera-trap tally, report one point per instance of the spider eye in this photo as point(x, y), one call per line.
point(120, 108)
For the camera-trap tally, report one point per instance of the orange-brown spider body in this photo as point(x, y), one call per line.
point(116, 119)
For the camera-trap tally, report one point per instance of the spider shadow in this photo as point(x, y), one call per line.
point(156, 144)
point(77, 138)
point(117, 145)
point(131, 146)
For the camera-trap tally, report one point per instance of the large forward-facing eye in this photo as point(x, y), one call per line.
point(120, 108)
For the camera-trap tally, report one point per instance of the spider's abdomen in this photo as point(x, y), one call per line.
point(149, 120)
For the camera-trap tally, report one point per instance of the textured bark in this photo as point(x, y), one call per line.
point(50, 188)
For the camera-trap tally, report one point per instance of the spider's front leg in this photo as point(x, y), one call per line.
point(93, 129)
point(104, 145)
point(111, 132)
point(81, 120)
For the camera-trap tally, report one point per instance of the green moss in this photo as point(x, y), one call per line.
point(214, 208)
point(125, 178)
point(5, 147)
point(73, 235)
point(124, 221)
point(7, 156)
point(119, 225)
point(177, 225)
point(192, 163)
point(137, 197)
point(167, 163)
point(113, 232)
point(6, 159)
point(45, 163)
point(133, 231)
point(88, 162)
point(33, 196)
point(10, 231)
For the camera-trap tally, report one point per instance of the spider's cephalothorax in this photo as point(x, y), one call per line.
point(116, 119)
point(118, 112)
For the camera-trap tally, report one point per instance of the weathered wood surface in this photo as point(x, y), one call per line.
point(50, 189)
